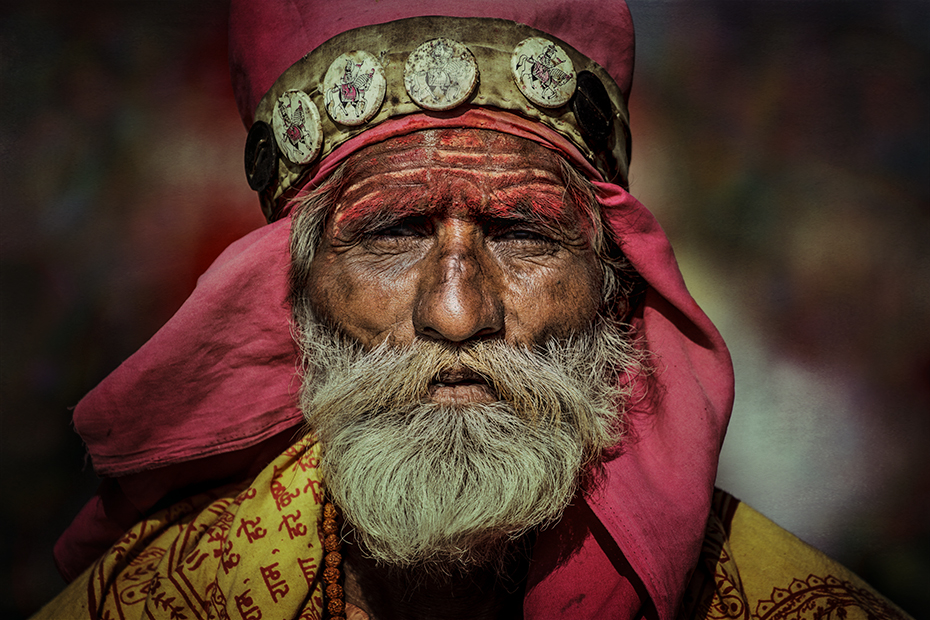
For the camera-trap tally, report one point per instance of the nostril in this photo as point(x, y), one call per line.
point(487, 331)
point(459, 310)
point(439, 323)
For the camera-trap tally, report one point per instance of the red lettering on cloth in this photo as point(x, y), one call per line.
point(230, 560)
point(293, 525)
point(308, 461)
point(274, 581)
point(310, 613)
point(251, 529)
point(224, 522)
point(218, 537)
point(218, 534)
point(194, 560)
point(315, 487)
point(279, 492)
point(246, 606)
point(123, 545)
point(218, 508)
point(308, 567)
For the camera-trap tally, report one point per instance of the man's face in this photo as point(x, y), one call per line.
point(454, 352)
point(456, 235)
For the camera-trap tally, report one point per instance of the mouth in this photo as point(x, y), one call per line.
point(460, 386)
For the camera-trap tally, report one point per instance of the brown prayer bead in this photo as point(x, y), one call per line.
point(331, 575)
point(336, 607)
point(329, 526)
point(329, 511)
point(331, 543)
point(333, 558)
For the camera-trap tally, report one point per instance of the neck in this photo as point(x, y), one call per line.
point(385, 592)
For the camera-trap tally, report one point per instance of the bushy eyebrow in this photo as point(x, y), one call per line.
point(513, 198)
point(549, 206)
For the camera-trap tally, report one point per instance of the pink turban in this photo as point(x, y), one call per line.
point(212, 395)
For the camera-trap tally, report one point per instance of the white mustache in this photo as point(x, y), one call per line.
point(395, 379)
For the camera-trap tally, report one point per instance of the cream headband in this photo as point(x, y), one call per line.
point(364, 76)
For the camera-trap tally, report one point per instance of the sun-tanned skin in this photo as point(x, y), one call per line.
point(455, 235)
point(452, 235)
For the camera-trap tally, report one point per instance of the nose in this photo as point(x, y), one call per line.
point(459, 296)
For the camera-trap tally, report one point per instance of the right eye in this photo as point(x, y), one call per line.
point(397, 230)
point(397, 235)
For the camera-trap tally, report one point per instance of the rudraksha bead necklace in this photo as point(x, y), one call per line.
point(334, 605)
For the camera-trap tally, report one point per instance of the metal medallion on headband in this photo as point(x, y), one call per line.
point(353, 88)
point(261, 156)
point(440, 74)
point(543, 72)
point(297, 127)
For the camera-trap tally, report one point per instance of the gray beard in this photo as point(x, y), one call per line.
point(449, 485)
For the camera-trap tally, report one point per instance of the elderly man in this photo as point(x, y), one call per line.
point(458, 375)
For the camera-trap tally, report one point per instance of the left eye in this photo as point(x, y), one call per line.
point(409, 227)
point(522, 234)
point(401, 230)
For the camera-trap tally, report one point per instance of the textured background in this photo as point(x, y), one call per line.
point(784, 145)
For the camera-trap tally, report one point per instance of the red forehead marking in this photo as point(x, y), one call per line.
point(420, 193)
point(406, 140)
point(455, 171)
point(451, 138)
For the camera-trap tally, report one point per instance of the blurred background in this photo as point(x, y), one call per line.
point(784, 145)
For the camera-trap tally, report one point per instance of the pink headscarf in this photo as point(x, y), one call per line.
point(268, 37)
point(212, 395)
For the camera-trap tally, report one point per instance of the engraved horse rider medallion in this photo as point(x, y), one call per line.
point(354, 88)
point(543, 72)
point(440, 74)
point(297, 128)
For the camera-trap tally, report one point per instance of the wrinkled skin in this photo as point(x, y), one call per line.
point(452, 235)
point(455, 235)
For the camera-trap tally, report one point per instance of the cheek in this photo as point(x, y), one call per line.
point(555, 302)
point(362, 306)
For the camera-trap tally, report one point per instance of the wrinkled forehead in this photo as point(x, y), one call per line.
point(487, 172)
point(455, 148)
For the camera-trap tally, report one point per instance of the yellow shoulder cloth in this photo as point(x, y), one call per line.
point(752, 569)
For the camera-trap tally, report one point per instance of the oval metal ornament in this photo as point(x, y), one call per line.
point(261, 156)
point(297, 128)
point(440, 74)
point(353, 88)
point(592, 108)
point(543, 72)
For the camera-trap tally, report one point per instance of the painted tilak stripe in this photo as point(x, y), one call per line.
point(537, 179)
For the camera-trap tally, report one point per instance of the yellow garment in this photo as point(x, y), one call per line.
point(253, 551)
point(751, 568)
point(248, 551)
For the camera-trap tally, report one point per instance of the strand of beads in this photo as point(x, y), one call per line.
point(335, 605)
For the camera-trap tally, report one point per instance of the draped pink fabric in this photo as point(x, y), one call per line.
point(230, 364)
point(212, 394)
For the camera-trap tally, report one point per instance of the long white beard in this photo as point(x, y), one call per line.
point(433, 484)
